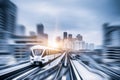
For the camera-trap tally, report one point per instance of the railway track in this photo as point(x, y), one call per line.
point(9, 75)
point(62, 68)
point(59, 71)
point(30, 72)
point(43, 73)
point(19, 63)
point(113, 75)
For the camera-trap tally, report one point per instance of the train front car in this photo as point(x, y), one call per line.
point(36, 55)
point(41, 55)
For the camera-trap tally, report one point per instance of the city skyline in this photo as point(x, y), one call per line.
point(75, 16)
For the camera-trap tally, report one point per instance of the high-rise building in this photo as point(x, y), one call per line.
point(70, 36)
point(64, 35)
point(79, 37)
point(86, 46)
point(58, 39)
point(59, 42)
point(46, 38)
point(20, 30)
point(111, 39)
point(40, 29)
point(7, 18)
point(7, 23)
point(41, 34)
point(83, 45)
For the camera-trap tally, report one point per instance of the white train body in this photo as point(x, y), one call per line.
point(41, 55)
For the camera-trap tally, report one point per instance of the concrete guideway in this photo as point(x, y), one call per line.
point(112, 74)
point(34, 71)
point(11, 69)
point(85, 74)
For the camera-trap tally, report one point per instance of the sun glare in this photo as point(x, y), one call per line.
point(52, 44)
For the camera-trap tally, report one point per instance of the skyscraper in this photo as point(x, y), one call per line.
point(58, 39)
point(7, 23)
point(64, 35)
point(7, 18)
point(70, 36)
point(79, 37)
point(40, 30)
point(46, 38)
point(41, 35)
point(111, 39)
point(59, 42)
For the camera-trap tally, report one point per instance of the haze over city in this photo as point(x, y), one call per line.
point(83, 17)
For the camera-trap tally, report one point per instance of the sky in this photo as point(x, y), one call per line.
point(84, 17)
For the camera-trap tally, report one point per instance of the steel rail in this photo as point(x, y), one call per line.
point(17, 64)
point(15, 73)
point(77, 76)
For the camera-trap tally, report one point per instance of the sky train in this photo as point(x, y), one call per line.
point(41, 54)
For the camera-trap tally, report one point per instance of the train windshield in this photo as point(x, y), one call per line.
point(38, 52)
